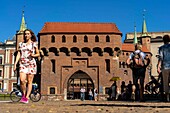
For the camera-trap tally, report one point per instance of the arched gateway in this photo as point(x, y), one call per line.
point(75, 82)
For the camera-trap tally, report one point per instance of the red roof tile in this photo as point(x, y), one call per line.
point(50, 27)
point(131, 47)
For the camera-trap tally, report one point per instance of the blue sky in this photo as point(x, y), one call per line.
point(124, 13)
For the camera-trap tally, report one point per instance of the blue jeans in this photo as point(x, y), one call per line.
point(90, 97)
point(82, 96)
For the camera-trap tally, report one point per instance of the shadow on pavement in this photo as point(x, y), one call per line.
point(122, 105)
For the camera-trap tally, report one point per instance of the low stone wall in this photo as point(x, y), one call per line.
point(56, 97)
point(103, 96)
point(60, 97)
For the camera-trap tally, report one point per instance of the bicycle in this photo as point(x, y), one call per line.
point(16, 94)
point(154, 86)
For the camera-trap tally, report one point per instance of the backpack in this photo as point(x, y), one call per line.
point(137, 61)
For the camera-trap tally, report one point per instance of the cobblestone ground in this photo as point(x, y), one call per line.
point(76, 106)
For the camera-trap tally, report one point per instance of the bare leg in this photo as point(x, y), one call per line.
point(30, 79)
point(141, 92)
point(23, 83)
point(133, 92)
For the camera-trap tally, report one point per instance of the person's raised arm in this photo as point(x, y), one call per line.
point(128, 61)
point(159, 66)
point(159, 60)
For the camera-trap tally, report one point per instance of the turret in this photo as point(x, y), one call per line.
point(19, 34)
point(145, 38)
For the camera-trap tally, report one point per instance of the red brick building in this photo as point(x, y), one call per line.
point(79, 54)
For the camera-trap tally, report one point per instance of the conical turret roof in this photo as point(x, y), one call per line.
point(23, 24)
point(144, 27)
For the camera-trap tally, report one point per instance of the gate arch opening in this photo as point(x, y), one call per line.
point(75, 82)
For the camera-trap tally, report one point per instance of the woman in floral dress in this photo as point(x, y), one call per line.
point(27, 51)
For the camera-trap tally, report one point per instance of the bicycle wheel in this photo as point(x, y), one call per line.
point(35, 96)
point(15, 96)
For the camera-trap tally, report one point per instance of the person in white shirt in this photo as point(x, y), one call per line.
point(82, 93)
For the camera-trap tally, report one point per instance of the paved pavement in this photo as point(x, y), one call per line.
point(77, 106)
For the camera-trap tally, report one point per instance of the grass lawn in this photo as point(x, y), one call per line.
point(4, 97)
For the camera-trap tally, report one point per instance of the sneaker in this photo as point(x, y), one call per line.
point(24, 100)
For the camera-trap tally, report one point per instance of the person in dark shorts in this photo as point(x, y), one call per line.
point(138, 71)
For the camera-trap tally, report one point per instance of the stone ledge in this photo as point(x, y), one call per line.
point(53, 97)
point(102, 96)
